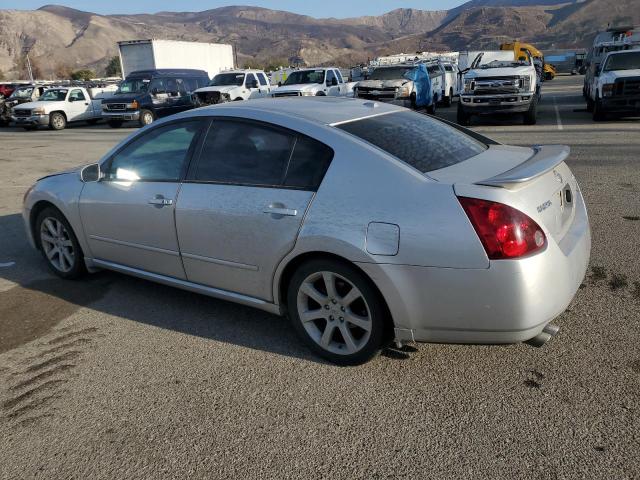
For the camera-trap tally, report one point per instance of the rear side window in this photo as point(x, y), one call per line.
point(421, 141)
point(339, 74)
point(263, 79)
point(309, 163)
point(244, 153)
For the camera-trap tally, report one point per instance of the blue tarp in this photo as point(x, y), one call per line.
point(420, 77)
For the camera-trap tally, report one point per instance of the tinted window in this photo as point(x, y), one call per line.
point(308, 164)
point(244, 153)
point(339, 74)
point(191, 84)
point(159, 155)
point(250, 80)
point(421, 141)
point(263, 79)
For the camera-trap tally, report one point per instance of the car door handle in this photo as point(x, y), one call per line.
point(276, 210)
point(161, 201)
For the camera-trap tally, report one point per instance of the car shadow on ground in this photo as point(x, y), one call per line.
point(33, 301)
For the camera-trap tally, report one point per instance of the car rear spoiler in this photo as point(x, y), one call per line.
point(544, 159)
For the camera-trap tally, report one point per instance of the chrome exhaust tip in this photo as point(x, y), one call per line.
point(548, 332)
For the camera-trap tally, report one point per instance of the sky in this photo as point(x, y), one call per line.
point(317, 8)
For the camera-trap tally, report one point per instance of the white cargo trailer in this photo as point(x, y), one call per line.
point(138, 55)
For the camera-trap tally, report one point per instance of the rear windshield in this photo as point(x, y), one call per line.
point(421, 141)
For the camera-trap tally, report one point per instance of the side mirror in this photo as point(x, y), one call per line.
point(279, 84)
point(91, 173)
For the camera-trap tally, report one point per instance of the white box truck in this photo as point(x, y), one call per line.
point(136, 55)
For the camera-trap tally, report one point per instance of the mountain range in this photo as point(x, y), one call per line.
point(63, 39)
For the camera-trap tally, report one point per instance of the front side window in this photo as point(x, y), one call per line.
point(251, 80)
point(331, 77)
point(159, 155)
point(263, 79)
point(339, 75)
point(421, 141)
point(244, 153)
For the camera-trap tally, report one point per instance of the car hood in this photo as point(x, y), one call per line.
point(300, 87)
point(499, 72)
point(123, 98)
point(383, 83)
point(221, 89)
point(623, 73)
point(73, 170)
point(46, 105)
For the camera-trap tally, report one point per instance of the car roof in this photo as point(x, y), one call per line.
point(322, 110)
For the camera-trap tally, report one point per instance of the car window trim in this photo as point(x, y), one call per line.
point(195, 159)
point(187, 161)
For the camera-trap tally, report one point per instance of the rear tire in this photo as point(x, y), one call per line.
point(115, 123)
point(343, 317)
point(59, 244)
point(57, 121)
point(431, 109)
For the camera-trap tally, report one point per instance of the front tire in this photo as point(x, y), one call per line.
point(531, 115)
point(448, 100)
point(598, 112)
point(59, 245)
point(463, 118)
point(57, 121)
point(146, 118)
point(336, 311)
point(431, 109)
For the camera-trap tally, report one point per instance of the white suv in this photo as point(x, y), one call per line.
point(311, 82)
point(234, 85)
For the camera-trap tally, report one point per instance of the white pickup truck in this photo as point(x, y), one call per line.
point(615, 85)
point(310, 82)
point(496, 83)
point(57, 107)
point(233, 85)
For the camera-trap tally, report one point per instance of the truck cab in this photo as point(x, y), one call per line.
point(615, 87)
point(234, 85)
point(499, 84)
point(150, 94)
point(309, 82)
point(56, 108)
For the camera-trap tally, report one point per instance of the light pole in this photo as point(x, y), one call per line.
point(26, 49)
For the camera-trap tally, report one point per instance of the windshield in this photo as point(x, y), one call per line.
point(227, 79)
point(22, 93)
point(54, 95)
point(134, 85)
point(507, 64)
point(389, 73)
point(623, 61)
point(305, 76)
point(423, 142)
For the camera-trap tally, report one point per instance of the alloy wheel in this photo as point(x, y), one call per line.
point(57, 245)
point(334, 313)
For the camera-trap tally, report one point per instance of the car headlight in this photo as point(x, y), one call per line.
point(133, 105)
point(403, 91)
point(308, 94)
point(607, 89)
point(524, 84)
point(469, 85)
point(38, 111)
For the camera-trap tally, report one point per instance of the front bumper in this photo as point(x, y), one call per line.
point(509, 302)
point(33, 120)
point(503, 103)
point(124, 115)
point(619, 104)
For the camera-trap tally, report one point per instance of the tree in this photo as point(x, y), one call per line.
point(113, 67)
point(83, 75)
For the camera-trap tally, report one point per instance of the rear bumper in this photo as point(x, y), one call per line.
point(628, 104)
point(33, 120)
point(124, 116)
point(509, 302)
point(489, 104)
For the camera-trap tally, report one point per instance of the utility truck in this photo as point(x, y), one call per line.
point(497, 83)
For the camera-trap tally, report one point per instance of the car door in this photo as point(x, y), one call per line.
point(128, 216)
point(243, 203)
point(332, 85)
point(78, 105)
point(341, 83)
point(252, 86)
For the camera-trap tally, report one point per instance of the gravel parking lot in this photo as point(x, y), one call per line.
point(115, 377)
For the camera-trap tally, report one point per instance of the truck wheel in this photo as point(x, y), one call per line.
point(448, 100)
point(531, 115)
point(463, 117)
point(598, 113)
point(431, 109)
point(412, 99)
point(115, 123)
point(57, 121)
point(146, 118)
point(589, 105)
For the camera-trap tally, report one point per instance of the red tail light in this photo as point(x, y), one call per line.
point(504, 231)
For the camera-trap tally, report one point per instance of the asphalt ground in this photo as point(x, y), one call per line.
point(115, 377)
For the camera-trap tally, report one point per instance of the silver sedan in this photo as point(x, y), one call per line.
point(365, 223)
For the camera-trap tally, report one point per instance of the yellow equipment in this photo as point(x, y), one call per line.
point(520, 49)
